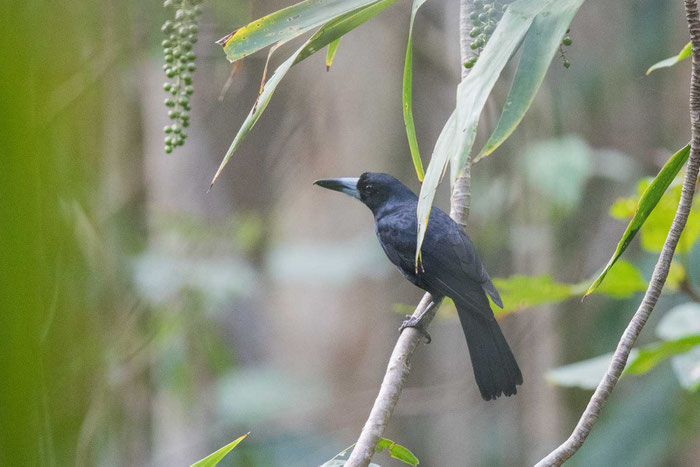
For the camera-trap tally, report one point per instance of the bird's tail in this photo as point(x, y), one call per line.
point(495, 368)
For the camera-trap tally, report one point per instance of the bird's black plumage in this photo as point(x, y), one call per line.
point(450, 267)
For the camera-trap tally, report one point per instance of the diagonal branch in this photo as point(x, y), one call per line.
point(606, 386)
point(399, 363)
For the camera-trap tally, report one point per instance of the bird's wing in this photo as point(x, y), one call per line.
point(397, 236)
point(453, 267)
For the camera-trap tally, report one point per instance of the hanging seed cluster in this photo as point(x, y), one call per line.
point(181, 35)
point(484, 19)
point(567, 41)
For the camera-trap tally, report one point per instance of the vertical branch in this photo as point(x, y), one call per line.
point(606, 386)
point(461, 198)
point(399, 362)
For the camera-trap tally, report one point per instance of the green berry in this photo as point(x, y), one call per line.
point(475, 32)
point(468, 64)
point(566, 64)
point(167, 86)
point(169, 102)
point(168, 149)
point(191, 67)
point(166, 43)
point(167, 129)
point(567, 41)
point(189, 90)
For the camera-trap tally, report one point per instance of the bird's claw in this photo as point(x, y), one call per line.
point(412, 322)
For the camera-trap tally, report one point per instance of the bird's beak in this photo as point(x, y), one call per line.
point(343, 185)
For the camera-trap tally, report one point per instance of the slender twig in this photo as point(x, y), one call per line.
point(399, 364)
point(658, 278)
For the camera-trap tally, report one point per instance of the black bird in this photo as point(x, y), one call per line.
point(450, 267)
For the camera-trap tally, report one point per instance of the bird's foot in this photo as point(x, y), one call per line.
point(417, 323)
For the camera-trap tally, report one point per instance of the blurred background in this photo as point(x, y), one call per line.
point(144, 321)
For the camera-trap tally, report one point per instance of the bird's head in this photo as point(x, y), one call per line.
point(372, 188)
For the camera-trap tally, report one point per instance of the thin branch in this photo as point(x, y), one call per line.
point(606, 386)
point(399, 364)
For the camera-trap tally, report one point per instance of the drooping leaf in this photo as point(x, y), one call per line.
point(654, 231)
point(623, 281)
point(679, 322)
point(686, 52)
point(475, 89)
point(647, 202)
point(284, 25)
point(397, 451)
point(214, 458)
point(523, 292)
point(436, 170)
point(408, 96)
point(520, 292)
point(540, 46)
point(585, 374)
point(651, 355)
point(330, 55)
point(331, 31)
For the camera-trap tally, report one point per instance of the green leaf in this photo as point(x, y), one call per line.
point(284, 25)
point(397, 451)
point(654, 231)
point(647, 202)
point(520, 292)
point(214, 458)
point(523, 292)
point(585, 374)
point(436, 170)
point(669, 62)
point(472, 93)
point(330, 32)
point(330, 55)
point(408, 96)
point(623, 281)
point(651, 355)
point(540, 46)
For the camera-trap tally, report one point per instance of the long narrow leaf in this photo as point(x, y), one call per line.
point(284, 25)
point(540, 46)
point(651, 355)
point(408, 96)
point(473, 91)
point(438, 163)
point(647, 202)
point(214, 458)
point(686, 52)
point(331, 31)
point(330, 55)
point(456, 137)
